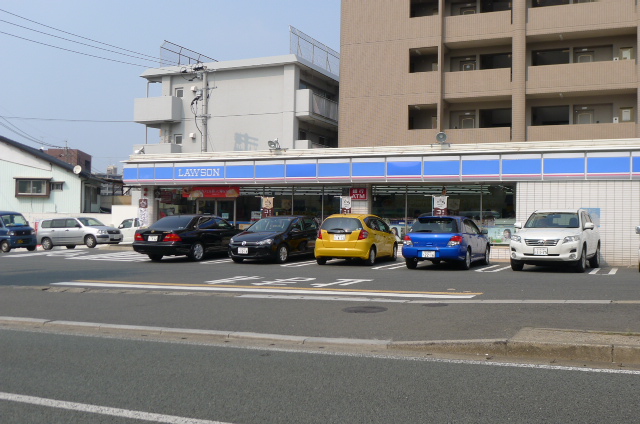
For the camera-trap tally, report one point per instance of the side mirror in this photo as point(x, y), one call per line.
point(589, 226)
point(638, 229)
point(484, 231)
point(517, 225)
point(121, 226)
point(78, 226)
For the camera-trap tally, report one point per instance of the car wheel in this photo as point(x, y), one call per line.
point(90, 241)
point(282, 254)
point(155, 258)
point(394, 254)
point(595, 261)
point(487, 256)
point(5, 246)
point(31, 248)
point(516, 265)
point(411, 264)
point(371, 259)
point(466, 264)
point(237, 260)
point(47, 244)
point(581, 264)
point(321, 261)
point(197, 252)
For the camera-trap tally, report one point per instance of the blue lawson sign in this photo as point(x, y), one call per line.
point(201, 172)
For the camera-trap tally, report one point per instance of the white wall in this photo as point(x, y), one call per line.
point(619, 203)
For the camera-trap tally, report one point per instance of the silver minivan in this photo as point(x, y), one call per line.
point(70, 232)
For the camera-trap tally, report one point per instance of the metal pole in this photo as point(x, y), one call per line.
point(205, 111)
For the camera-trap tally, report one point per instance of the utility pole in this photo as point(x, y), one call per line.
point(205, 111)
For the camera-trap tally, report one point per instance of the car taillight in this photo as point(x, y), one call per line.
point(363, 234)
point(407, 241)
point(455, 241)
point(172, 237)
point(320, 234)
point(138, 237)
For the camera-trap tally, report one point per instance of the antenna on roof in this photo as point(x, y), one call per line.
point(175, 54)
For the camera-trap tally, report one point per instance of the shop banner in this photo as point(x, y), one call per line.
point(196, 192)
point(267, 206)
point(440, 205)
point(345, 204)
point(358, 193)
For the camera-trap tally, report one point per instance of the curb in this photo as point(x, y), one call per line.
point(529, 343)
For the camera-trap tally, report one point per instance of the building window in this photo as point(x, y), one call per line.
point(180, 92)
point(423, 8)
point(57, 186)
point(177, 139)
point(31, 187)
point(302, 135)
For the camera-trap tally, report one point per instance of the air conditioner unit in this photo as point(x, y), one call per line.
point(194, 88)
point(192, 135)
point(616, 58)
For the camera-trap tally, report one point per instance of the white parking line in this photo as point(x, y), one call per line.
point(488, 268)
point(103, 410)
point(297, 264)
point(216, 261)
point(394, 265)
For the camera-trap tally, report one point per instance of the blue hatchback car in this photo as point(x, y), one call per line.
point(16, 232)
point(445, 238)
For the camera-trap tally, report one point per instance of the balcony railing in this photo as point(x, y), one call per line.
point(573, 77)
point(312, 106)
point(481, 26)
point(581, 132)
point(156, 110)
point(479, 135)
point(481, 83)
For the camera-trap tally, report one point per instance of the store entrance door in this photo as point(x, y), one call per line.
point(225, 209)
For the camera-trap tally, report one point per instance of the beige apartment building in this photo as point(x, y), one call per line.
point(488, 71)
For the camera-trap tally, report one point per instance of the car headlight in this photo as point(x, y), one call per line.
point(103, 232)
point(516, 238)
point(569, 239)
point(12, 233)
point(264, 242)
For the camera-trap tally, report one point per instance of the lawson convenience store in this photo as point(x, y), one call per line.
point(495, 184)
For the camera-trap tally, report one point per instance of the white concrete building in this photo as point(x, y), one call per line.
point(240, 105)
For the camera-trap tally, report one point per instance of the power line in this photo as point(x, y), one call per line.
point(75, 35)
point(65, 120)
point(85, 44)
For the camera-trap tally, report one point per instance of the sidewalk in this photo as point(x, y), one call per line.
point(621, 349)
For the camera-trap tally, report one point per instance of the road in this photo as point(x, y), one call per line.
point(47, 378)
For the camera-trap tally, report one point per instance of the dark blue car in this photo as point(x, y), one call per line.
point(15, 232)
point(445, 238)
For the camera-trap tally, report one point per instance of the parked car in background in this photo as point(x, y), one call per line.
point(128, 228)
point(190, 235)
point(349, 236)
point(71, 231)
point(15, 232)
point(275, 238)
point(557, 236)
point(445, 238)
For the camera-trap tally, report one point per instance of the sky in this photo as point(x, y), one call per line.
point(79, 99)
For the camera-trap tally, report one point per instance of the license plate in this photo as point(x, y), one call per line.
point(339, 237)
point(152, 238)
point(541, 251)
point(243, 250)
point(428, 254)
point(21, 241)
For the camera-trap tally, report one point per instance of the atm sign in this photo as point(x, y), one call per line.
point(358, 193)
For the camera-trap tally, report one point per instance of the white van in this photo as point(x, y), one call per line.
point(70, 232)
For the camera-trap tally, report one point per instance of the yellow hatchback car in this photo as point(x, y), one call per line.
point(358, 236)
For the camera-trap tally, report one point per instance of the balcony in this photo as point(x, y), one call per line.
point(600, 18)
point(473, 30)
point(319, 110)
point(479, 135)
point(483, 84)
point(581, 132)
point(157, 110)
point(581, 77)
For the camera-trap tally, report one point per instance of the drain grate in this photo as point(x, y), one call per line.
point(364, 309)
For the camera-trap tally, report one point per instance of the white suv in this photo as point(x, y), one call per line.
point(556, 236)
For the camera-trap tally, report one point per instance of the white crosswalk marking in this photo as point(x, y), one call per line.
point(297, 264)
point(115, 256)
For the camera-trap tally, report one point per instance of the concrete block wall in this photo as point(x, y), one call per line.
point(619, 203)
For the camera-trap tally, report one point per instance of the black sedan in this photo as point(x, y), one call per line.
point(275, 238)
point(190, 235)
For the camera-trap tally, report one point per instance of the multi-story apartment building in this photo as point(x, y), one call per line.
point(240, 105)
point(488, 71)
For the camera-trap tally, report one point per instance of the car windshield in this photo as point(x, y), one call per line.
point(91, 222)
point(434, 225)
point(346, 224)
point(169, 223)
point(270, 224)
point(13, 220)
point(553, 220)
